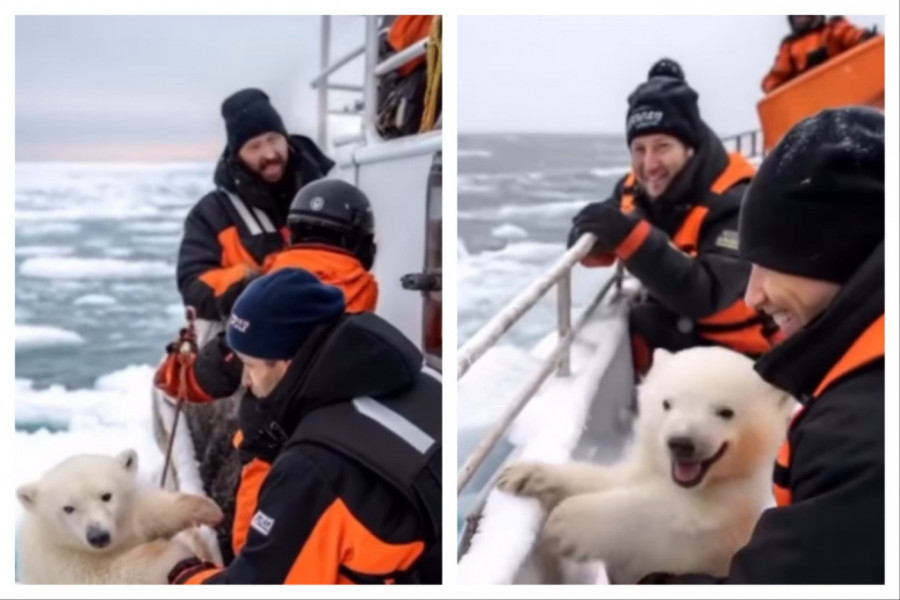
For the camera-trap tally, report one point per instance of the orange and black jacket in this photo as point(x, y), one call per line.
point(231, 231)
point(217, 371)
point(684, 251)
point(353, 495)
point(801, 52)
point(828, 523)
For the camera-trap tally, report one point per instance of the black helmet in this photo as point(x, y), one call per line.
point(336, 213)
point(666, 67)
point(814, 23)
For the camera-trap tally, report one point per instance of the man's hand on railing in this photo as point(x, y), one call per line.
point(608, 224)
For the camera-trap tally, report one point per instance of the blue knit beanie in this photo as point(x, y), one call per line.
point(276, 313)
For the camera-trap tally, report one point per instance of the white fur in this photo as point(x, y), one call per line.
point(632, 515)
point(104, 498)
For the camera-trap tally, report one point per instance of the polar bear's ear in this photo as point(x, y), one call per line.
point(129, 460)
point(27, 495)
point(660, 355)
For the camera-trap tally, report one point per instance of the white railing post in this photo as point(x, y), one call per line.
point(324, 57)
point(370, 82)
point(564, 318)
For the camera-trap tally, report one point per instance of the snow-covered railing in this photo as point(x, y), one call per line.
point(487, 336)
point(559, 273)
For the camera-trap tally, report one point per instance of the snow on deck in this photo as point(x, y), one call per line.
point(548, 430)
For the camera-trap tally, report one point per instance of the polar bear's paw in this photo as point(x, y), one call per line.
point(534, 480)
point(201, 509)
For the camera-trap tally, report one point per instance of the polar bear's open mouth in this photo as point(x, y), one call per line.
point(688, 473)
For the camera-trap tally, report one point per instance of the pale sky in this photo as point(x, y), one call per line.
point(150, 87)
point(573, 74)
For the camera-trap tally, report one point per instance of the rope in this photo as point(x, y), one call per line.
point(433, 90)
point(184, 352)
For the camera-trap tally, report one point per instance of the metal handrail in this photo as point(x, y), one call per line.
point(756, 145)
point(395, 61)
point(479, 343)
point(478, 456)
point(371, 72)
point(322, 77)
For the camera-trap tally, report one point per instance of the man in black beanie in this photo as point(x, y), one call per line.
point(354, 432)
point(231, 231)
point(228, 235)
point(812, 224)
point(673, 222)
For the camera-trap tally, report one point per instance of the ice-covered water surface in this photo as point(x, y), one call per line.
point(96, 247)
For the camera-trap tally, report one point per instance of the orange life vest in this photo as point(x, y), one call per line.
point(867, 348)
point(738, 326)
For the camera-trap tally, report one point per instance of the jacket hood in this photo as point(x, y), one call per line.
point(361, 355)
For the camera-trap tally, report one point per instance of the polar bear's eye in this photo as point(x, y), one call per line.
point(68, 509)
point(725, 413)
point(106, 497)
point(666, 405)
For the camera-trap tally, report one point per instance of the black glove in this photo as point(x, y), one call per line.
point(870, 33)
point(187, 568)
point(816, 57)
point(656, 578)
point(608, 223)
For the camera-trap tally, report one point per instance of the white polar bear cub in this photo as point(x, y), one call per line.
point(689, 491)
point(87, 521)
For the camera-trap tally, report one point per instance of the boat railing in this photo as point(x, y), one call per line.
point(366, 107)
point(748, 143)
point(559, 275)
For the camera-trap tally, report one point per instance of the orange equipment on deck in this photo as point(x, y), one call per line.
point(854, 77)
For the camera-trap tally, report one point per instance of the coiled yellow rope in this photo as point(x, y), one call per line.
point(433, 90)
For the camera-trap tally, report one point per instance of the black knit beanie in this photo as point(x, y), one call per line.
point(664, 105)
point(816, 206)
point(248, 113)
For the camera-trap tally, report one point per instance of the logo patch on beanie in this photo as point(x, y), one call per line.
point(238, 323)
point(316, 203)
point(728, 239)
point(644, 118)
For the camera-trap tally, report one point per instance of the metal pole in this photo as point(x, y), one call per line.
point(327, 70)
point(481, 451)
point(370, 85)
point(324, 57)
point(401, 58)
point(503, 320)
point(564, 317)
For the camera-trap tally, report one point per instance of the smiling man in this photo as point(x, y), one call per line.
point(673, 222)
point(812, 224)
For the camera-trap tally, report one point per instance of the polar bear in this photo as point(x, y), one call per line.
point(88, 521)
point(692, 484)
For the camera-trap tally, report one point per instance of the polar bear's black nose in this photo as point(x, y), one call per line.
point(682, 447)
point(98, 538)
